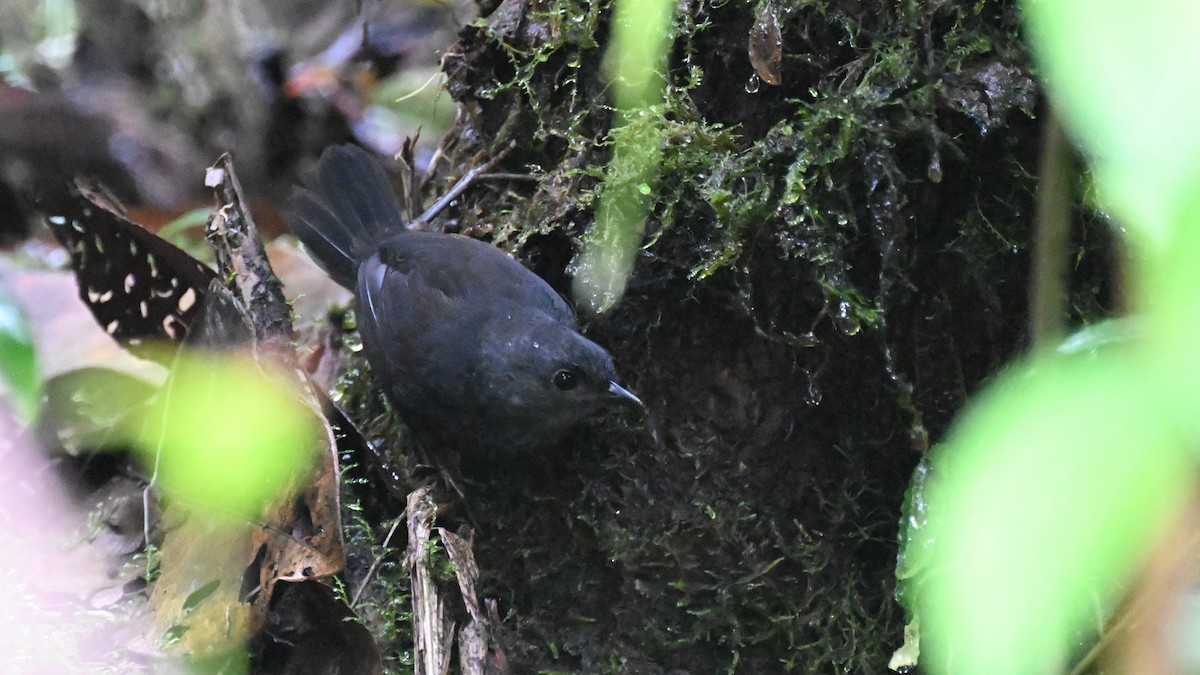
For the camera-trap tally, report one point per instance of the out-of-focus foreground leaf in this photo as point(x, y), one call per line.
point(1042, 501)
point(1049, 492)
point(232, 437)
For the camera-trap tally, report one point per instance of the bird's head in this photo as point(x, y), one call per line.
point(547, 373)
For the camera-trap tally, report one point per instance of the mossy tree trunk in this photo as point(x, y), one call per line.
point(832, 266)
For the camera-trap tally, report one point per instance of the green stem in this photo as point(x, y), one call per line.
point(1059, 176)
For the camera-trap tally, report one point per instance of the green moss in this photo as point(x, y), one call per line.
point(384, 603)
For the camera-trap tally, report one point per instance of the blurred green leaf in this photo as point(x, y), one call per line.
point(1169, 290)
point(174, 230)
point(96, 408)
point(1122, 75)
point(911, 563)
point(1044, 498)
point(1050, 489)
point(419, 97)
point(228, 435)
point(18, 361)
point(1102, 334)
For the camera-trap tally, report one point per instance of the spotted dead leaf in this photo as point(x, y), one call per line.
point(141, 288)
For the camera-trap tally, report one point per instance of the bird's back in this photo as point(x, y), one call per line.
point(425, 300)
point(462, 268)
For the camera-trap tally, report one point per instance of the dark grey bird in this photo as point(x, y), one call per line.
point(477, 353)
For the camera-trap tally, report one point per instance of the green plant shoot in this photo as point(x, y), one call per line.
point(635, 63)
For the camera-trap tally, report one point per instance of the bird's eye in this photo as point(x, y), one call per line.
point(565, 379)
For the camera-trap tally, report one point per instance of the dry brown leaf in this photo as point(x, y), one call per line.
point(766, 46)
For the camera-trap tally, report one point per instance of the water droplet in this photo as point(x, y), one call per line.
point(814, 394)
point(844, 319)
point(918, 437)
point(935, 168)
point(805, 339)
point(753, 84)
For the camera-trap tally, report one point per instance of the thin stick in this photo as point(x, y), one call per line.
point(459, 188)
point(375, 563)
point(509, 176)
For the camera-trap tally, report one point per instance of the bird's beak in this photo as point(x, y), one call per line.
point(625, 395)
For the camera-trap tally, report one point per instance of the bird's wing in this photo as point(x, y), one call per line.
point(400, 309)
point(462, 268)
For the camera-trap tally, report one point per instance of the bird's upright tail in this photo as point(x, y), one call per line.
point(347, 208)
